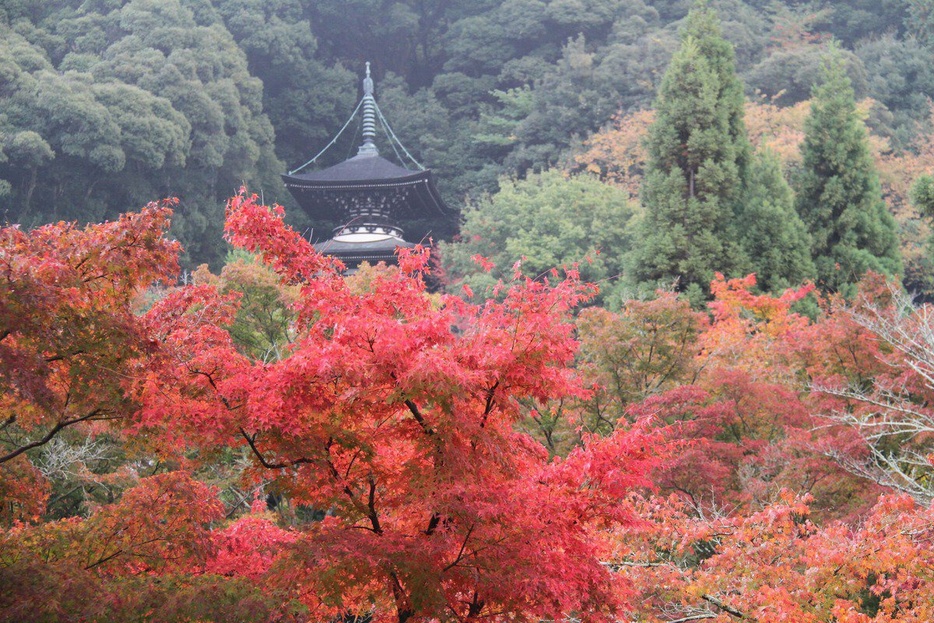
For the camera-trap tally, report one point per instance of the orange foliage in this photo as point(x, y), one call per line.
point(617, 154)
point(778, 128)
point(748, 328)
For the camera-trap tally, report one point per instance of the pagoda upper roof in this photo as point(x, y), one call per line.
point(359, 171)
point(367, 188)
point(370, 174)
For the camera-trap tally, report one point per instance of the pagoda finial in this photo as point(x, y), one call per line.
point(368, 81)
point(368, 148)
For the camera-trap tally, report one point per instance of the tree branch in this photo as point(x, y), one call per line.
point(432, 524)
point(252, 441)
point(101, 561)
point(617, 566)
point(695, 617)
point(417, 414)
point(490, 403)
point(476, 606)
point(728, 609)
point(371, 507)
point(48, 437)
point(223, 398)
point(404, 610)
point(54, 358)
point(460, 554)
point(7, 422)
point(369, 511)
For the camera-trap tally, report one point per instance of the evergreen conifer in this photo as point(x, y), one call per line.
point(839, 196)
point(773, 236)
point(698, 159)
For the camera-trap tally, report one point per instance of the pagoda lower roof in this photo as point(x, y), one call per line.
point(352, 253)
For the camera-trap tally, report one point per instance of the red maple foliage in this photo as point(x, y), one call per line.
point(68, 334)
point(696, 483)
point(393, 414)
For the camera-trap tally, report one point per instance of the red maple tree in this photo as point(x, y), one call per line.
point(392, 414)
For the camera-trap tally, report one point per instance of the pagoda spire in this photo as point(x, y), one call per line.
point(368, 148)
point(366, 198)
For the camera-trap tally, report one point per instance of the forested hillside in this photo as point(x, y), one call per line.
point(108, 104)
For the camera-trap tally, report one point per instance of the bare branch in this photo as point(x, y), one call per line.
point(892, 412)
point(618, 566)
point(695, 617)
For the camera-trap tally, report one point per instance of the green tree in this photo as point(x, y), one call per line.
point(306, 101)
point(263, 327)
point(857, 20)
point(920, 19)
point(569, 101)
point(773, 236)
point(788, 76)
point(839, 196)
point(922, 199)
point(546, 221)
point(698, 157)
point(110, 104)
point(901, 77)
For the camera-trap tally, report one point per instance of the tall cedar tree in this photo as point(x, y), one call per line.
point(773, 235)
point(839, 196)
point(698, 156)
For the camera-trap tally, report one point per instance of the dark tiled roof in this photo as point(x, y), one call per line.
point(317, 191)
point(360, 170)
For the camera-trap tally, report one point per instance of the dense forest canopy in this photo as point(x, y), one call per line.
point(108, 104)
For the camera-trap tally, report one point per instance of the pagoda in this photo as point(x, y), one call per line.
point(369, 197)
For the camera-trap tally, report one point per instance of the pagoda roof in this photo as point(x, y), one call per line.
point(315, 191)
point(353, 253)
point(361, 170)
point(340, 247)
point(367, 189)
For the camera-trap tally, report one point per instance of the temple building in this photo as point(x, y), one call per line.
point(369, 197)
